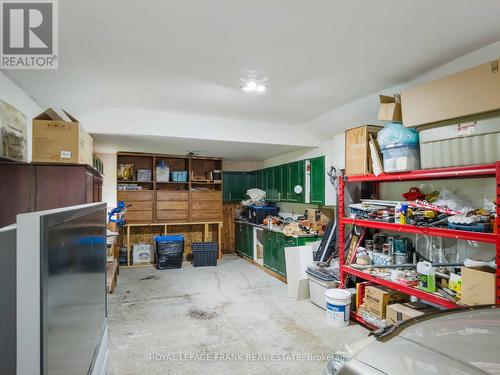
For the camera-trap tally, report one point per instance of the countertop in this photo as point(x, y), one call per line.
point(277, 230)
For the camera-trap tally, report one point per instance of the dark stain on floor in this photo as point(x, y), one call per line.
point(152, 277)
point(202, 315)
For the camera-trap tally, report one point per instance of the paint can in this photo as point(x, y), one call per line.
point(338, 303)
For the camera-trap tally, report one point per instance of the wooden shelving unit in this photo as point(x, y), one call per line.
point(172, 201)
point(475, 171)
point(186, 205)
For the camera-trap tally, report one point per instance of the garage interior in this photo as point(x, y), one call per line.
point(249, 187)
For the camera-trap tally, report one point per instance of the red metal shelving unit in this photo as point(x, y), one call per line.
point(475, 171)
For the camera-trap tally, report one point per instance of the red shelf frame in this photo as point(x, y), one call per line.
point(475, 171)
point(430, 297)
point(437, 232)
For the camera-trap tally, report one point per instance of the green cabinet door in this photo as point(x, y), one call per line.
point(259, 179)
point(280, 254)
point(296, 171)
point(276, 183)
point(270, 193)
point(317, 180)
point(268, 239)
point(249, 241)
point(249, 181)
point(284, 183)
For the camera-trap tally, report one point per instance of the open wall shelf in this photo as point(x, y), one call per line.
point(475, 171)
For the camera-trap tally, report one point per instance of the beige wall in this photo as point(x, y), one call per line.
point(109, 179)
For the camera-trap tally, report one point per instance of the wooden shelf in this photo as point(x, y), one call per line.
point(430, 297)
point(206, 183)
point(171, 182)
point(133, 182)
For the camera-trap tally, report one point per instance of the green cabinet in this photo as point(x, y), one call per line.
point(284, 194)
point(279, 182)
point(317, 192)
point(244, 239)
point(296, 177)
point(276, 192)
point(236, 184)
point(268, 244)
point(274, 251)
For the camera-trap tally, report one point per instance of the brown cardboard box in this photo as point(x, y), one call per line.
point(58, 140)
point(377, 298)
point(478, 286)
point(357, 150)
point(472, 92)
point(322, 216)
point(390, 108)
point(399, 312)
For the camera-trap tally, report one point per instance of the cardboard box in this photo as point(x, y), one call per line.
point(377, 298)
point(390, 108)
point(142, 253)
point(478, 286)
point(319, 218)
point(60, 140)
point(399, 312)
point(472, 92)
point(357, 151)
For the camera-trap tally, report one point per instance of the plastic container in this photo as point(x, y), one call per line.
point(426, 276)
point(318, 284)
point(169, 252)
point(179, 176)
point(257, 214)
point(401, 158)
point(205, 254)
point(338, 302)
point(162, 171)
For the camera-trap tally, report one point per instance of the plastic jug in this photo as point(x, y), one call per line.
point(426, 276)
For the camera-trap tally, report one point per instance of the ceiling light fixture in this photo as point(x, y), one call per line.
point(252, 85)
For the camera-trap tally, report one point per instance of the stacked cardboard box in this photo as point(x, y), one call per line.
point(377, 298)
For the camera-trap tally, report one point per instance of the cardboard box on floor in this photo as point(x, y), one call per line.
point(357, 150)
point(377, 298)
point(390, 108)
point(60, 140)
point(478, 286)
point(399, 312)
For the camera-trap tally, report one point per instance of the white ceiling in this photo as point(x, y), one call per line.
point(242, 151)
point(189, 55)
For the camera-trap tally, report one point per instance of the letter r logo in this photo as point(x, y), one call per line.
point(27, 28)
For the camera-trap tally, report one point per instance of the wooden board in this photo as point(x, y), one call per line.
point(228, 232)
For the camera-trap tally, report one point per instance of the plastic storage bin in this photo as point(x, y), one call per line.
point(179, 176)
point(204, 254)
point(257, 214)
point(318, 284)
point(401, 158)
point(169, 251)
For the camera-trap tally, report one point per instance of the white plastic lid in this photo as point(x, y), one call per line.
point(338, 293)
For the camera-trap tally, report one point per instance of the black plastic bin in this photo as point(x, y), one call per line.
point(205, 254)
point(169, 252)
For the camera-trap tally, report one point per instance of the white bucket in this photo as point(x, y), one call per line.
point(338, 303)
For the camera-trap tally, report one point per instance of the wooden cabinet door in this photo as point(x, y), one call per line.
point(61, 186)
point(17, 191)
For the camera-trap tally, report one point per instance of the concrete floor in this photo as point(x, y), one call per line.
point(230, 319)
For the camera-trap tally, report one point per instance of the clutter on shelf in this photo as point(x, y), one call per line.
point(442, 209)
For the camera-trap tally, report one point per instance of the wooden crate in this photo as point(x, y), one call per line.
point(357, 150)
